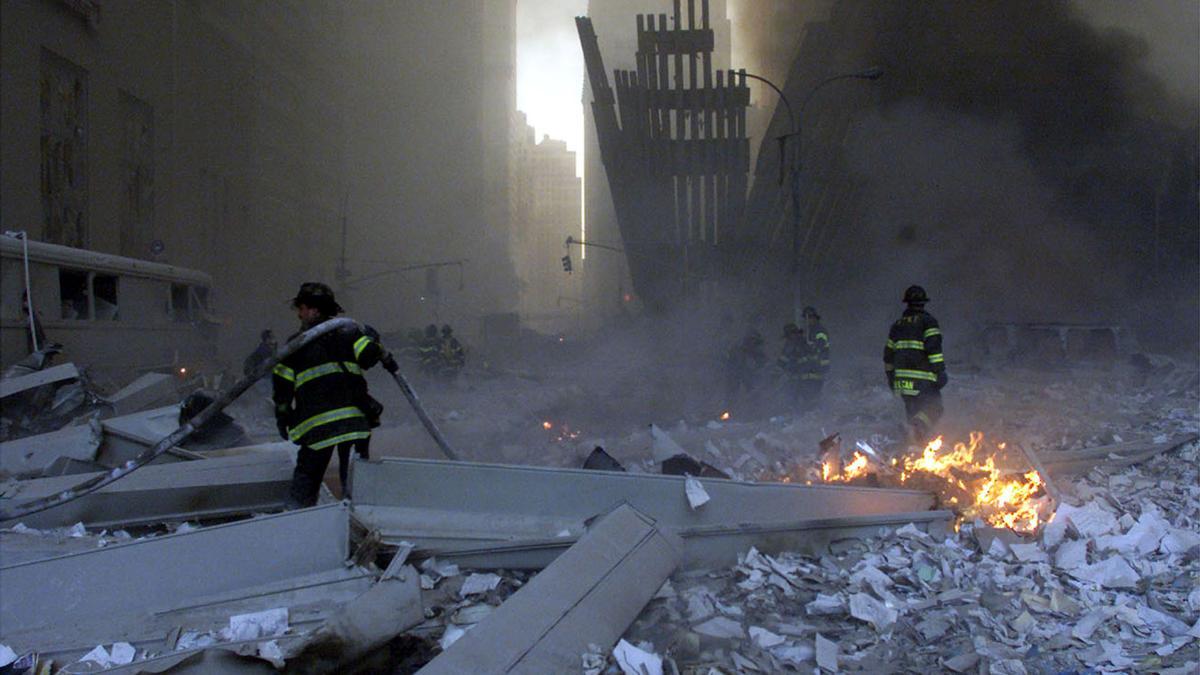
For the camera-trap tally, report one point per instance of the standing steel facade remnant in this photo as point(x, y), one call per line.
point(675, 150)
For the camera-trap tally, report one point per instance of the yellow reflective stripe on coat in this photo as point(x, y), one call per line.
point(937, 358)
point(340, 438)
point(327, 369)
point(821, 336)
point(930, 332)
point(909, 344)
point(326, 417)
point(284, 372)
point(891, 344)
point(916, 374)
point(360, 344)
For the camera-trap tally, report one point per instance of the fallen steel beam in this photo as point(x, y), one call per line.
point(711, 547)
point(441, 505)
point(1070, 462)
point(240, 484)
point(138, 592)
point(590, 595)
point(16, 385)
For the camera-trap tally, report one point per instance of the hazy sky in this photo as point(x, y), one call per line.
point(550, 69)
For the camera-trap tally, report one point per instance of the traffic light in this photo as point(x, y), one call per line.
point(566, 261)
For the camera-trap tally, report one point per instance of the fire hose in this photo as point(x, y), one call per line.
point(188, 428)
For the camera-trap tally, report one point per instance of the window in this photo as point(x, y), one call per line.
point(104, 295)
point(87, 295)
point(73, 293)
point(179, 303)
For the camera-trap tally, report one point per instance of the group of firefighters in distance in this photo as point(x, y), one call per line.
point(913, 363)
point(322, 405)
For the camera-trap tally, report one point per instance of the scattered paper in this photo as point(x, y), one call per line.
point(696, 495)
point(1112, 572)
point(764, 638)
point(634, 661)
point(479, 583)
point(827, 654)
point(1071, 555)
point(268, 623)
point(865, 608)
point(721, 627)
point(121, 654)
point(452, 634)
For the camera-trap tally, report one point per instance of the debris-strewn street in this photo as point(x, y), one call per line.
point(613, 337)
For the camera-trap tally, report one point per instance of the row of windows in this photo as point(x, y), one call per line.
point(94, 296)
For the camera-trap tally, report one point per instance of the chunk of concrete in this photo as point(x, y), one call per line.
point(147, 391)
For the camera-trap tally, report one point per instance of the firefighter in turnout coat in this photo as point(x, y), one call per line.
point(321, 400)
point(915, 366)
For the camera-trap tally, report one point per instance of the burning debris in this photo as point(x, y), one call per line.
point(967, 478)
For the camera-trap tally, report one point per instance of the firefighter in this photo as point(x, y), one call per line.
point(915, 366)
point(430, 351)
point(798, 361)
point(453, 356)
point(743, 362)
point(321, 399)
point(818, 339)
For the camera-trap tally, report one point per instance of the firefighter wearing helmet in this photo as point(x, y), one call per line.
point(915, 366)
point(321, 399)
point(818, 339)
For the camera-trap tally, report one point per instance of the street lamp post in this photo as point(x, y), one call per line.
point(794, 166)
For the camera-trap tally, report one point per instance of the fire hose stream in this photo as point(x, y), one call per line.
point(174, 438)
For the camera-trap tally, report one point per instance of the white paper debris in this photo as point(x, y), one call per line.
point(720, 627)
point(827, 654)
point(696, 494)
point(7, 655)
point(77, 530)
point(270, 651)
point(1112, 572)
point(1071, 555)
point(764, 638)
point(267, 623)
point(865, 608)
point(479, 583)
point(1028, 552)
point(452, 634)
point(634, 661)
point(826, 604)
point(121, 654)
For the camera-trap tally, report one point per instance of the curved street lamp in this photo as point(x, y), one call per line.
point(872, 73)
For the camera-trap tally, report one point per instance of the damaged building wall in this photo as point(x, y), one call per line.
point(270, 123)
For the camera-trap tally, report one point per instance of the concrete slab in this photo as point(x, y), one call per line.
point(590, 595)
point(440, 505)
point(253, 482)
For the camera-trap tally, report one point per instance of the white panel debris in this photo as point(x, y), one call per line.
point(696, 495)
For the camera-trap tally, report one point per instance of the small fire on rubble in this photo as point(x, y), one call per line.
point(564, 431)
point(725, 416)
point(963, 478)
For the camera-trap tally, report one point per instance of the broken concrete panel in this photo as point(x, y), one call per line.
point(149, 390)
point(32, 455)
point(128, 436)
point(440, 505)
point(390, 607)
point(16, 385)
point(114, 589)
point(227, 486)
point(590, 595)
point(713, 547)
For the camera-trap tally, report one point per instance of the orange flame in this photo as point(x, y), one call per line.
point(547, 425)
point(976, 487)
point(725, 416)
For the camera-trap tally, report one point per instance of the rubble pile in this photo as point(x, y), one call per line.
point(1109, 585)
